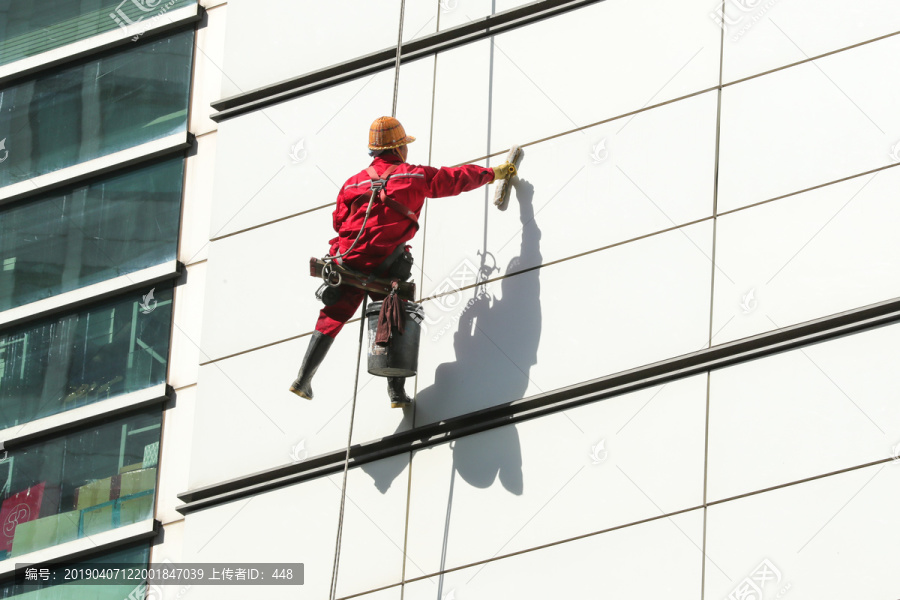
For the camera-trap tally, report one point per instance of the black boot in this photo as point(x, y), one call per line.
point(319, 344)
point(398, 396)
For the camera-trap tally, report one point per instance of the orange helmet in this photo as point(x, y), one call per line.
point(387, 133)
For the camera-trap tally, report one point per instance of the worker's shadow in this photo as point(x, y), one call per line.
point(495, 342)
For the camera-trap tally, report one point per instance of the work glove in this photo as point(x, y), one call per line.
point(504, 171)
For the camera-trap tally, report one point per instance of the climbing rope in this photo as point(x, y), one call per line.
point(340, 530)
point(337, 545)
point(397, 60)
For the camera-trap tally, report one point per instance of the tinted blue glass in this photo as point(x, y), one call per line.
point(69, 239)
point(96, 108)
point(84, 357)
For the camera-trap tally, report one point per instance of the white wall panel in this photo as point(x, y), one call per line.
point(834, 537)
point(166, 551)
point(374, 526)
point(175, 452)
point(660, 559)
point(461, 12)
point(533, 85)
point(420, 19)
point(583, 191)
point(392, 593)
point(185, 354)
point(374, 416)
point(293, 524)
point(299, 524)
point(294, 156)
point(209, 55)
point(760, 36)
point(807, 256)
point(804, 413)
point(810, 124)
point(605, 312)
point(258, 285)
point(246, 398)
point(197, 203)
point(272, 40)
point(557, 477)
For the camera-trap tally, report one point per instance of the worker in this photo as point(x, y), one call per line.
point(380, 247)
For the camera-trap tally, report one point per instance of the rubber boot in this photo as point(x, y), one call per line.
point(319, 344)
point(398, 396)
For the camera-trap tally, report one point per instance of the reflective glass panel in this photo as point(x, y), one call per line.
point(68, 116)
point(48, 586)
point(28, 28)
point(82, 357)
point(66, 240)
point(79, 484)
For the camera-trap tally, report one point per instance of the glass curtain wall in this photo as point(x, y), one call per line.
point(86, 482)
point(28, 28)
point(107, 104)
point(138, 556)
point(83, 357)
point(70, 239)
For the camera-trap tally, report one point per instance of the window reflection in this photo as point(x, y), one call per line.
point(79, 484)
point(67, 240)
point(84, 357)
point(29, 28)
point(102, 106)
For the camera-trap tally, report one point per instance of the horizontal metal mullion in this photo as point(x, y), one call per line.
point(517, 411)
point(384, 59)
point(92, 414)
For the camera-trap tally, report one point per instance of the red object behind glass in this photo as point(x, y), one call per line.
point(19, 508)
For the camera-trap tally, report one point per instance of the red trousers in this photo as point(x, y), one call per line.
point(332, 318)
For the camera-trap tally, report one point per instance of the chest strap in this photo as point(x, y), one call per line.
point(379, 184)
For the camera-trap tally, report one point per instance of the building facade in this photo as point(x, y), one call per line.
point(664, 369)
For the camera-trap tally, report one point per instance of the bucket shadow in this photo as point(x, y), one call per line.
point(495, 344)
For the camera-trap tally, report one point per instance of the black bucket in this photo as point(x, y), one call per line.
point(400, 358)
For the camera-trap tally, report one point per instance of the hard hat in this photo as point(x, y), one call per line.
point(387, 133)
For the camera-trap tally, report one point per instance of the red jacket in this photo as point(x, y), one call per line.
point(387, 228)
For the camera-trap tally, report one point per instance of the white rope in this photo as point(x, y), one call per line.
point(337, 544)
point(397, 61)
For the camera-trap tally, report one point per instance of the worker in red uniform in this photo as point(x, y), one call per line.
point(380, 247)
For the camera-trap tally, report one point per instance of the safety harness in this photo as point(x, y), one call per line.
point(332, 269)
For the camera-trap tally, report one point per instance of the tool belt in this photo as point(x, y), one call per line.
point(388, 276)
point(337, 275)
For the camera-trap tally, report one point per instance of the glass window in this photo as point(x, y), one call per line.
point(82, 357)
point(79, 484)
point(80, 236)
point(29, 28)
point(137, 556)
point(95, 108)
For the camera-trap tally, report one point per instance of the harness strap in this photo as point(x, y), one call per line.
point(379, 185)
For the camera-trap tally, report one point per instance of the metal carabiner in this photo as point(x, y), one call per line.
point(331, 277)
